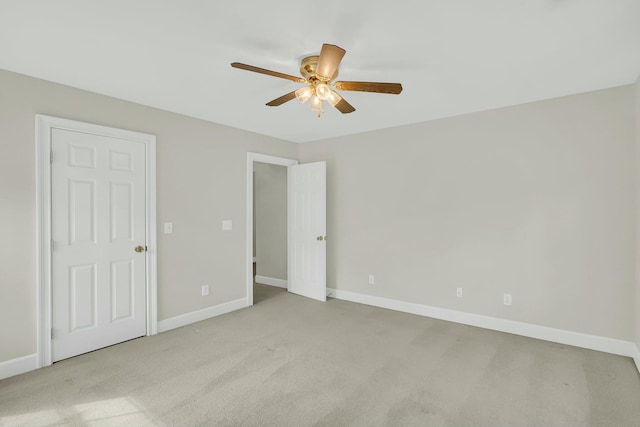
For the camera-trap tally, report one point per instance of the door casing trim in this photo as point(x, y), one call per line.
point(262, 158)
point(44, 125)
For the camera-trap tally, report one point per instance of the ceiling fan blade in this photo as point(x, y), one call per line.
point(392, 88)
point(284, 98)
point(267, 72)
point(344, 107)
point(330, 57)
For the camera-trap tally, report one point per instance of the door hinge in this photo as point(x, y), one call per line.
point(53, 245)
point(51, 333)
point(51, 157)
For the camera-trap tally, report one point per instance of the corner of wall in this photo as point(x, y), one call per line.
point(637, 258)
point(299, 151)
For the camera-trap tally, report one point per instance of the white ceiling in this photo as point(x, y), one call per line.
point(452, 57)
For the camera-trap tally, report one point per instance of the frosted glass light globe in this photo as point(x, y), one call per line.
point(322, 91)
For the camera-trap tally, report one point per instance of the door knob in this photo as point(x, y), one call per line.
point(139, 249)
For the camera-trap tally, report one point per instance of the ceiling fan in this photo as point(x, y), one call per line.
point(318, 73)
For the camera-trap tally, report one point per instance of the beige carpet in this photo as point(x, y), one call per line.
point(290, 361)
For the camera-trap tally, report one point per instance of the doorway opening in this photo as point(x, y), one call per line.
point(262, 241)
point(269, 228)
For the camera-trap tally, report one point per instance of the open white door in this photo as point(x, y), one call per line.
point(306, 208)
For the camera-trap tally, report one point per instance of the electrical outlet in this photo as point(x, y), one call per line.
point(459, 292)
point(372, 279)
point(506, 299)
point(205, 290)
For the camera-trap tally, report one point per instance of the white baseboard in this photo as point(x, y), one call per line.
point(197, 316)
point(592, 342)
point(271, 281)
point(18, 366)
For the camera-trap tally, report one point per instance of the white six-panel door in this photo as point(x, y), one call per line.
point(98, 219)
point(307, 256)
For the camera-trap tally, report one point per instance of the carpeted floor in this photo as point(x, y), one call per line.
point(291, 361)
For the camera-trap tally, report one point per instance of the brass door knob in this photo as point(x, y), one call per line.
point(139, 249)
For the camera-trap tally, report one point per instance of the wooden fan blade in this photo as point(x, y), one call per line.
point(284, 98)
point(344, 107)
point(330, 57)
point(392, 88)
point(267, 72)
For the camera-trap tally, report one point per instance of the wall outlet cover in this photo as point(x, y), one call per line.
point(506, 299)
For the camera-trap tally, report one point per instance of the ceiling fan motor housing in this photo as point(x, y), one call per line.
point(308, 70)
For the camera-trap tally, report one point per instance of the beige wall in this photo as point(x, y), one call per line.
point(201, 181)
point(271, 220)
point(534, 200)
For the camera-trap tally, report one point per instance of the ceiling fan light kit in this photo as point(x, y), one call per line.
point(318, 73)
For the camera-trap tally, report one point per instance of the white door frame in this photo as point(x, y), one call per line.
point(44, 126)
point(262, 158)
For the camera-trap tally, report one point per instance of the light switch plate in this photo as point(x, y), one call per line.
point(168, 227)
point(227, 225)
